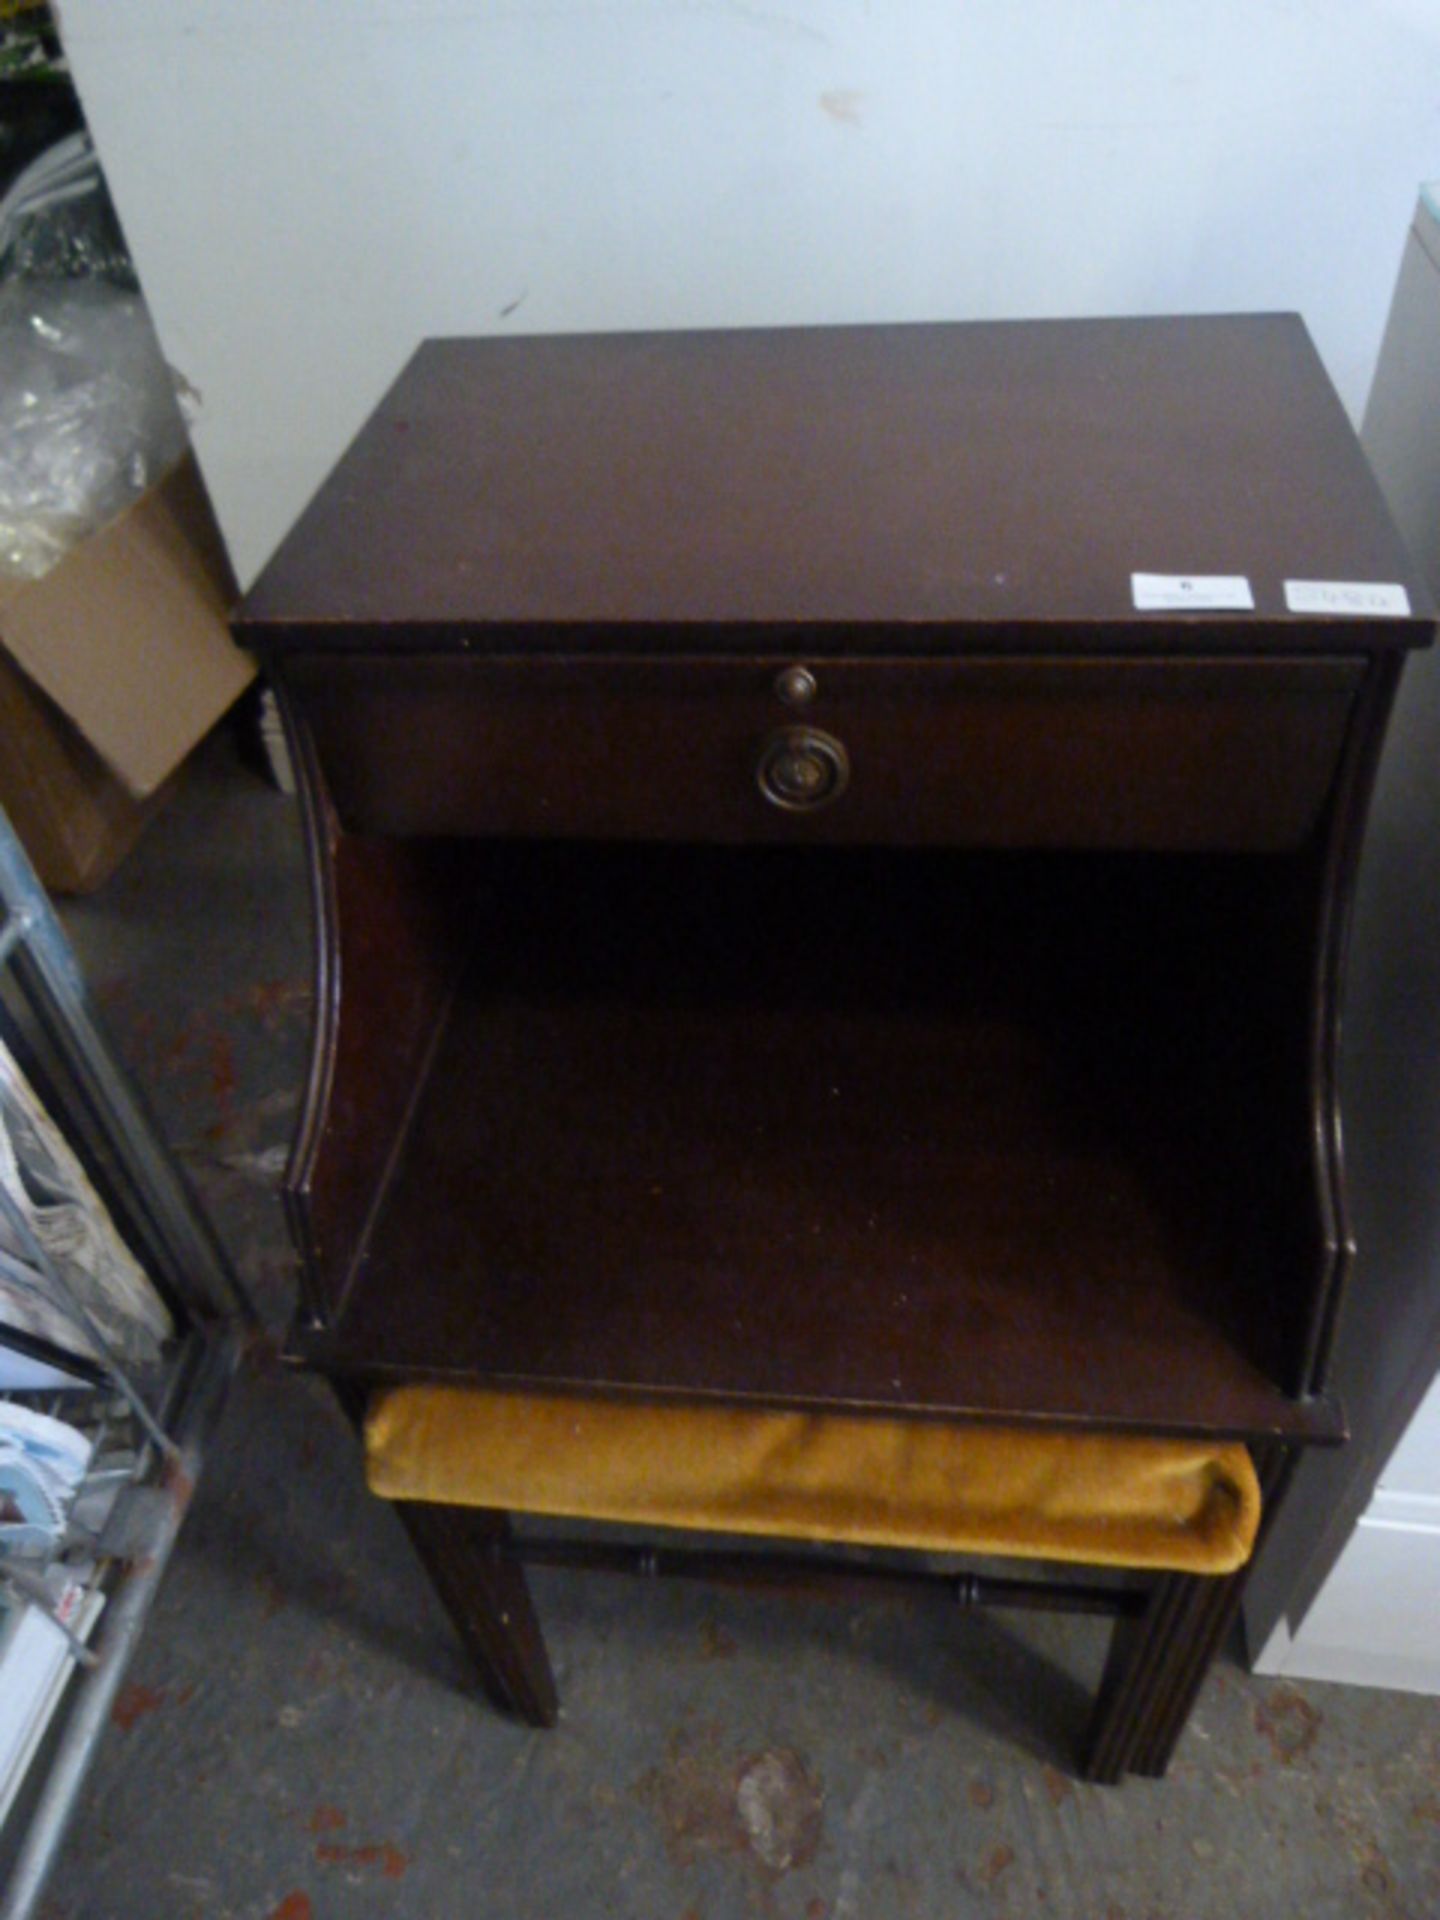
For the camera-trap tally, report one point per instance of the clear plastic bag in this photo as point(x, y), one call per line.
point(88, 413)
point(57, 221)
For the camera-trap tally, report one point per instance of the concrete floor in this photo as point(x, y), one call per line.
point(296, 1740)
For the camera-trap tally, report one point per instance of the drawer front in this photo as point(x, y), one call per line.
point(1173, 754)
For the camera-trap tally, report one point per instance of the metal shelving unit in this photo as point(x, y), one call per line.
point(160, 1423)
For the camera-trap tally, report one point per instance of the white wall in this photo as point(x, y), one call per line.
point(310, 186)
point(1373, 1622)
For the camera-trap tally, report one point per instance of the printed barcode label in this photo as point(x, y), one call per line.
point(1347, 596)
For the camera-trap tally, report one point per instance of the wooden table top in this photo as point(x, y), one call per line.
point(875, 488)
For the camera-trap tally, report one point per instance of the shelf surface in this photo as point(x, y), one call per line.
point(902, 488)
point(931, 1132)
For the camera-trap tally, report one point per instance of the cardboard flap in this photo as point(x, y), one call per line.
point(129, 634)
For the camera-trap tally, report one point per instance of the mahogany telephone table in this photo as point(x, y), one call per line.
point(833, 851)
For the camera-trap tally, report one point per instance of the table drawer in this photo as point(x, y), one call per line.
point(1036, 752)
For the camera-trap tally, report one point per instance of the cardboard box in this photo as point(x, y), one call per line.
point(129, 634)
point(127, 663)
point(74, 818)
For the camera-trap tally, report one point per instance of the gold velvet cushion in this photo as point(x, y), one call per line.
point(1174, 1505)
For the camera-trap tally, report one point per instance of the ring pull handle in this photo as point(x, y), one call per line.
point(801, 768)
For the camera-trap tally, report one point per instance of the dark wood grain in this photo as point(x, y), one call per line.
point(921, 487)
point(1001, 1089)
point(1095, 753)
point(1388, 1348)
point(827, 1573)
point(1354, 785)
point(984, 1134)
point(1205, 1614)
point(488, 1600)
point(391, 934)
point(1142, 1647)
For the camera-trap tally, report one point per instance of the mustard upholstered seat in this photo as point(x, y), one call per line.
point(1160, 1505)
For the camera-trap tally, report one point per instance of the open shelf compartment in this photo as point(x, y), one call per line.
point(1011, 1136)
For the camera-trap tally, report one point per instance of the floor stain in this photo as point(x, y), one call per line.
point(715, 1642)
point(272, 1002)
point(326, 1819)
point(134, 1701)
point(980, 1794)
point(1377, 1878)
point(997, 1861)
point(391, 1863)
point(224, 1074)
point(295, 1906)
point(692, 1795)
point(781, 1809)
point(766, 1805)
point(1057, 1786)
point(1288, 1721)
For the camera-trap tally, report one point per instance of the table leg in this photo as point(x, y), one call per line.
point(488, 1599)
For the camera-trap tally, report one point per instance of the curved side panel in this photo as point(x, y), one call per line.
point(392, 926)
point(319, 830)
point(1345, 840)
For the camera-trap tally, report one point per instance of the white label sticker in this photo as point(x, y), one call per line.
point(1346, 596)
point(1202, 592)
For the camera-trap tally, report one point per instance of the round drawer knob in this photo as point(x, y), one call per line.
point(801, 768)
point(796, 686)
